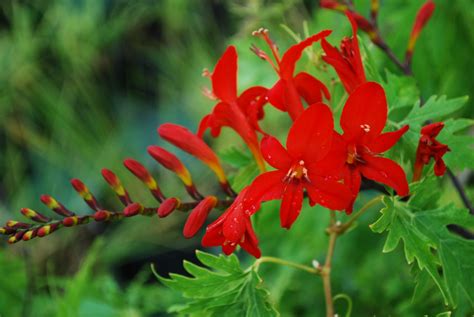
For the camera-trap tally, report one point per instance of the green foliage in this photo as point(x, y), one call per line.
point(434, 109)
point(222, 290)
point(446, 257)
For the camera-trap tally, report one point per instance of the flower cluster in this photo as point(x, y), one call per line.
point(318, 162)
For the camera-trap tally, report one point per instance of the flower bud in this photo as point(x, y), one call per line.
point(33, 215)
point(198, 216)
point(116, 185)
point(167, 207)
point(142, 173)
point(133, 210)
point(55, 206)
point(82, 190)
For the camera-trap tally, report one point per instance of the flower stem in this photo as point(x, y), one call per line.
point(346, 226)
point(326, 269)
point(270, 259)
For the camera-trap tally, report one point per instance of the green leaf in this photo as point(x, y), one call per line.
point(446, 257)
point(223, 289)
point(244, 176)
point(462, 145)
point(235, 157)
point(435, 109)
point(401, 91)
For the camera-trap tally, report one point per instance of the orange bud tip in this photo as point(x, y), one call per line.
point(55, 206)
point(167, 207)
point(132, 210)
point(44, 231)
point(12, 240)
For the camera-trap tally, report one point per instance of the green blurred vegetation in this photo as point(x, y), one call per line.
point(85, 83)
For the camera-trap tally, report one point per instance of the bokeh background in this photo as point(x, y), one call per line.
point(85, 83)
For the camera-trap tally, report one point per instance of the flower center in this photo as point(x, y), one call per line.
point(297, 172)
point(352, 155)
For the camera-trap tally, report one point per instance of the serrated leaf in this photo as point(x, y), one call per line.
point(244, 176)
point(462, 145)
point(447, 258)
point(401, 91)
point(435, 109)
point(235, 157)
point(222, 289)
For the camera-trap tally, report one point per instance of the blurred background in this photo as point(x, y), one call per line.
point(85, 83)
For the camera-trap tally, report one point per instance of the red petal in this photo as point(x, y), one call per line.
point(213, 238)
point(276, 95)
point(352, 179)
point(433, 129)
point(329, 193)
point(291, 204)
point(440, 167)
point(365, 113)
point(293, 54)
point(385, 171)
point(250, 242)
point(267, 186)
point(387, 140)
point(311, 134)
point(310, 88)
point(332, 165)
point(274, 153)
point(224, 77)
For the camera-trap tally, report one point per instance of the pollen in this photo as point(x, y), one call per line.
point(297, 172)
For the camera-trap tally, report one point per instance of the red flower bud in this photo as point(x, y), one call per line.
point(198, 216)
point(187, 141)
point(82, 190)
point(33, 215)
point(55, 206)
point(142, 173)
point(422, 17)
point(116, 185)
point(132, 210)
point(167, 207)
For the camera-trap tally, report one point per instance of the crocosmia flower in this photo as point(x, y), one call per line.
point(429, 147)
point(363, 118)
point(234, 228)
point(286, 94)
point(239, 113)
point(303, 165)
point(346, 61)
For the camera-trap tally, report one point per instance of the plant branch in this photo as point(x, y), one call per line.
point(269, 259)
point(347, 225)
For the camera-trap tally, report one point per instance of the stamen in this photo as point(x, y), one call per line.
point(208, 93)
point(365, 127)
point(206, 73)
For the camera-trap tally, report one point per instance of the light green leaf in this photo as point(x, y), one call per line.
point(223, 289)
point(461, 145)
point(401, 91)
point(235, 157)
point(244, 176)
point(434, 109)
point(446, 257)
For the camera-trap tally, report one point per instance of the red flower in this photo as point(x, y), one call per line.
point(429, 147)
point(422, 17)
point(239, 113)
point(286, 94)
point(347, 62)
point(234, 228)
point(362, 120)
point(305, 164)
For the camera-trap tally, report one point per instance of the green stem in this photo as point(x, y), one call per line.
point(346, 226)
point(270, 259)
